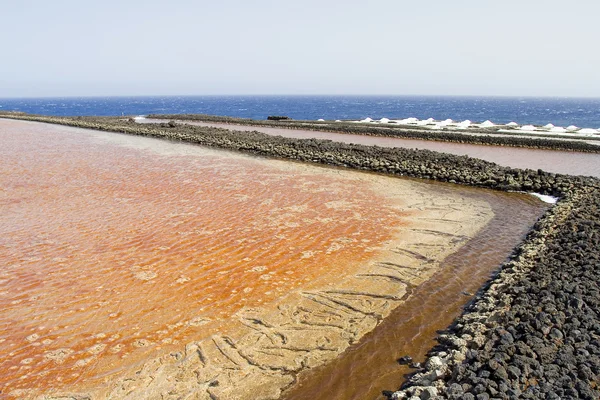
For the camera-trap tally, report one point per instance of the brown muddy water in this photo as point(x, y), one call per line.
point(562, 162)
point(116, 249)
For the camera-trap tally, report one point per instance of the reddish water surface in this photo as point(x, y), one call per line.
point(563, 162)
point(111, 253)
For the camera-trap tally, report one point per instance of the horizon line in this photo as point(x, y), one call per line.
point(297, 95)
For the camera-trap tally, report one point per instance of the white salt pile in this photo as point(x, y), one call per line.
point(528, 128)
point(548, 126)
point(588, 131)
point(572, 128)
point(384, 120)
point(321, 120)
point(558, 129)
point(465, 124)
point(486, 124)
point(512, 124)
point(368, 119)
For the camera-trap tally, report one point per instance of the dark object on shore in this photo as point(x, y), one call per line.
point(278, 118)
point(415, 365)
point(172, 124)
point(405, 360)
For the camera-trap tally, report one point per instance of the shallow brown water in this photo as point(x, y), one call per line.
point(116, 250)
point(370, 367)
point(563, 162)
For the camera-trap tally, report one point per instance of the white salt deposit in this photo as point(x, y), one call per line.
point(545, 198)
point(320, 120)
point(337, 120)
point(139, 117)
point(407, 121)
point(558, 129)
point(440, 125)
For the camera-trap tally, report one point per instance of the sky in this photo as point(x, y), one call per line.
point(385, 47)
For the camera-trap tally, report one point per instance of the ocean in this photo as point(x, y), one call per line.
point(581, 112)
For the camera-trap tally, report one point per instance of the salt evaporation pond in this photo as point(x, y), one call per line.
point(561, 162)
point(134, 266)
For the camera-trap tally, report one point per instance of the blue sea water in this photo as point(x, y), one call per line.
point(584, 113)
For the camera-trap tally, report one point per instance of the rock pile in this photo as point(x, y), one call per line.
point(534, 333)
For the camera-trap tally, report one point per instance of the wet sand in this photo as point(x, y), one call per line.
point(138, 267)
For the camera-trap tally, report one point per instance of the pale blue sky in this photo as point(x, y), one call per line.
point(185, 47)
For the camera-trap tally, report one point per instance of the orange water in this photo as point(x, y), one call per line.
point(112, 253)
